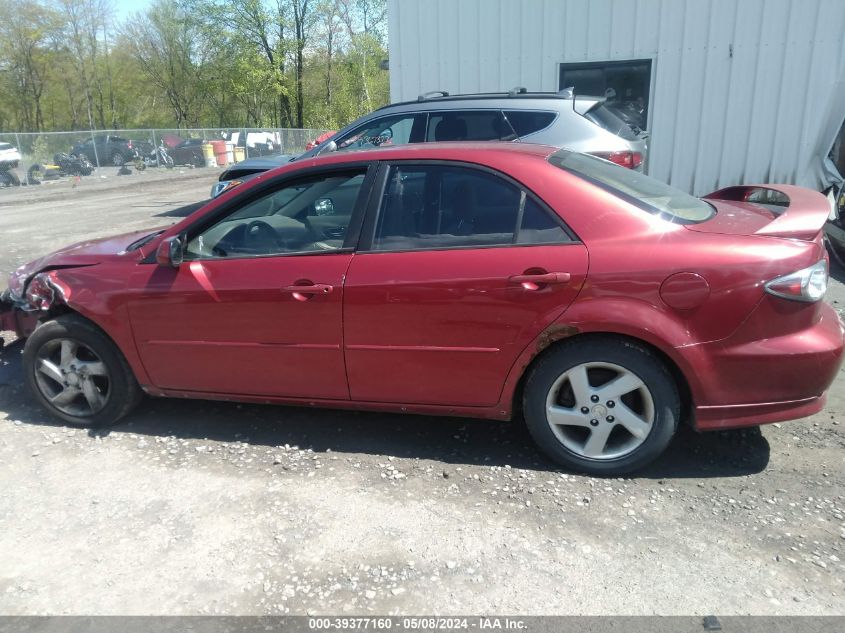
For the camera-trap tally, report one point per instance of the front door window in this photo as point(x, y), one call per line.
point(307, 216)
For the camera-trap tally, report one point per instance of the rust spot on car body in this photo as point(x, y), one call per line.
point(553, 334)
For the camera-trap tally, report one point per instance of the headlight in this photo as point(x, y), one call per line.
point(17, 283)
point(40, 292)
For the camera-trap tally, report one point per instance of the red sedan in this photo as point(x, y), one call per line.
point(456, 279)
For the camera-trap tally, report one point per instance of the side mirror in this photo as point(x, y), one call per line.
point(170, 253)
point(327, 148)
point(324, 206)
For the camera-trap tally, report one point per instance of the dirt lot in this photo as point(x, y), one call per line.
point(197, 507)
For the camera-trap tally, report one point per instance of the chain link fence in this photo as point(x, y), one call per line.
point(114, 148)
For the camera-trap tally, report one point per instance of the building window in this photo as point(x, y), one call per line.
point(624, 84)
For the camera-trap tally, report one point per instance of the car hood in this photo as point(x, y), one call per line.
point(264, 162)
point(87, 253)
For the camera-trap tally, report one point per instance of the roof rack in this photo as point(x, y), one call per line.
point(434, 93)
point(516, 93)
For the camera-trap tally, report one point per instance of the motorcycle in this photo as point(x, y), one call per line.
point(157, 158)
point(63, 165)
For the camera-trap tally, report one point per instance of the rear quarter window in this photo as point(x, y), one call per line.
point(525, 122)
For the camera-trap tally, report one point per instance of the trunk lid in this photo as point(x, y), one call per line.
point(783, 211)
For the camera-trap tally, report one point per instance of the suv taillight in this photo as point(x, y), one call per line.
point(631, 160)
point(808, 284)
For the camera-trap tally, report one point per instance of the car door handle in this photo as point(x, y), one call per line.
point(533, 281)
point(305, 292)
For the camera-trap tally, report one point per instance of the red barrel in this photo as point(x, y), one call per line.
point(220, 152)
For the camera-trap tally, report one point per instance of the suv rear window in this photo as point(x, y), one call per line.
point(605, 119)
point(5, 146)
point(643, 191)
point(525, 122)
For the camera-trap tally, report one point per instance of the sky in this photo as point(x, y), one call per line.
point(125, 8)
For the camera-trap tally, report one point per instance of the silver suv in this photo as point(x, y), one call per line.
point(579, 123)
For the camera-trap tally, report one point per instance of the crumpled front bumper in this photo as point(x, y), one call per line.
point(13, 318)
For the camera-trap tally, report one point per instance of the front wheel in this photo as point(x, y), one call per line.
point(601, 406)
point(78, 374)
point(9, 179)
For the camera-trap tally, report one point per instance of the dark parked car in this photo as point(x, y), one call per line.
point(185, 151)
point(108, 149)
point(246, 169)
point(452, 279)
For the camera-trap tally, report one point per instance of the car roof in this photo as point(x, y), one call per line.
point(482, 152)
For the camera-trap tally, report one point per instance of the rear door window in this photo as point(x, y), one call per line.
point(469, 125)
point(435, 207)
point(525, 122)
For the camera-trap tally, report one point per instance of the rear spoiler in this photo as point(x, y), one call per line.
point(804, 211)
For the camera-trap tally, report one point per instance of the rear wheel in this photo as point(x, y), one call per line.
point(601, 406)
point(837, 253)
point(78, 374)
point(117, 159)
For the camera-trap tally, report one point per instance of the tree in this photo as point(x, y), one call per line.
point(66, 64)
point(25, 30)
point(167, 44)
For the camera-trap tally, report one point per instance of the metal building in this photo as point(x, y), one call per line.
point(731, 91)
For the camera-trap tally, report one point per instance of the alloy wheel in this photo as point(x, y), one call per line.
point(72, 377)
point(600, 411)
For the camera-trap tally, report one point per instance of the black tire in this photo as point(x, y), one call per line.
point(124, 393)
point(9, 179)
point(837, 253)
point(626, 354)
point(34, 174)
point(198, 162)
point(118, 159)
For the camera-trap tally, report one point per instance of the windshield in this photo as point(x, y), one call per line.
point(645, 192)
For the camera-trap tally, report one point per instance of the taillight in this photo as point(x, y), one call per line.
point(129, 145)
point(631, 160)
point(808, 284)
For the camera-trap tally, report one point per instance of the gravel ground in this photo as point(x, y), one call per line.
point(198, 507)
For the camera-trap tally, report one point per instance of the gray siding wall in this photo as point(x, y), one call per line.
point(743, 91)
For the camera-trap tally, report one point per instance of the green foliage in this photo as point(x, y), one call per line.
point(67, 65)
point(41, 150)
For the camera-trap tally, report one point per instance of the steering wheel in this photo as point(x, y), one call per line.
point(260, 237)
